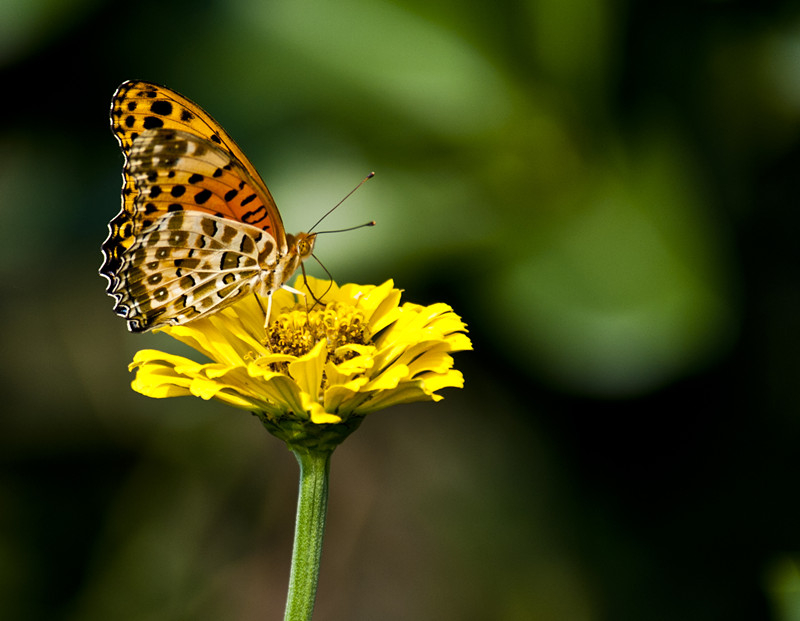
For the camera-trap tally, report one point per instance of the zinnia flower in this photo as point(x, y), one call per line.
point(318, 369)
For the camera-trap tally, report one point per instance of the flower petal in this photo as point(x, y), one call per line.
point(307, 370)
point(389, 378)
point(408, 392)
point(317, 413)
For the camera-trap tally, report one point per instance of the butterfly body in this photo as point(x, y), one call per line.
point(198, 228)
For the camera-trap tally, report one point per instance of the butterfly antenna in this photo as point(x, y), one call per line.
point(305, 297)
point(349, 228)
point(317, 300)
point(327, 213)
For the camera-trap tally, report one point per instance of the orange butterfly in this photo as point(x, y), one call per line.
point(198, 228)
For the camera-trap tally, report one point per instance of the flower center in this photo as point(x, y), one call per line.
point(297, 331)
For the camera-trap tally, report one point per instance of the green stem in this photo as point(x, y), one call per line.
point(312, 503)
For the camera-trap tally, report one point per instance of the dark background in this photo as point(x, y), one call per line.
point(607, 192)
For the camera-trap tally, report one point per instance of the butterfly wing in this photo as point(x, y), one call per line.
point(179, 159)
point(186, 266)
point(195, 223)
point(138, 106)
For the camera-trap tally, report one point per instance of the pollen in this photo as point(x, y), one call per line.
point(297, 331)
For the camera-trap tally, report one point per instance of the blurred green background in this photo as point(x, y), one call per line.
point(606, 191)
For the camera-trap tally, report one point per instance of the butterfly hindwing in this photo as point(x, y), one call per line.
point(187, 265)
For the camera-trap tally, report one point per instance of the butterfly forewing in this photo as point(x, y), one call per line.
point(173, 170)
point(138, 106)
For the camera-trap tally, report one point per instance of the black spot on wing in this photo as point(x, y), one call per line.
point(152, 122)
point(162, 108)
point(202, 196)
point(252, 217)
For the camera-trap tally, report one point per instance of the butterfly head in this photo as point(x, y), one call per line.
point(301, 245)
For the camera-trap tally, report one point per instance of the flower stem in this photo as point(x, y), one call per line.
point(312, 504)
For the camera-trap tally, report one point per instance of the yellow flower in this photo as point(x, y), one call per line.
point(315, 372)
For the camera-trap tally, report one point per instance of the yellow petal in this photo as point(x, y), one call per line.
point(428, 357)
point(406, 393)
point(317, 413)
point(358, 364)
point(158, 390)
point(436, 381)
point(307, 370)
point(284, 392)
point(459, 342)
point(150, 356)
point(389, 378)
point(335, 396)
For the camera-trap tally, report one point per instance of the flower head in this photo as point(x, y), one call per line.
point(314, 373)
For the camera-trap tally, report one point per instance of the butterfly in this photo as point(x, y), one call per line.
point(198, 228)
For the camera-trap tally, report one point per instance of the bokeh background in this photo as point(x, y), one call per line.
point(606, 191)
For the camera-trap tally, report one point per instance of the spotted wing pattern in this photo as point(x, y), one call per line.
point(198, 228)
point(138, 106)
point(187, 259)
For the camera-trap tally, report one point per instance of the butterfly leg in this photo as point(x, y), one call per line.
point(293, 290)
point(268, 311)
point(296, 292)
